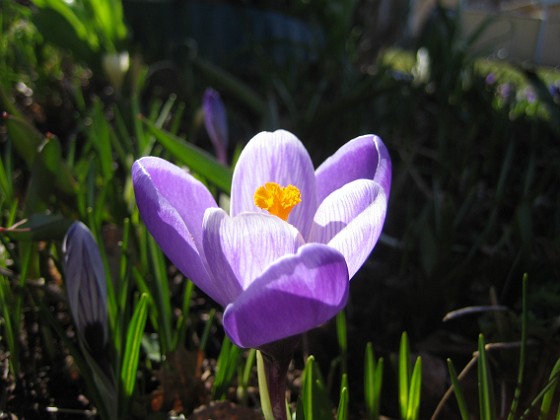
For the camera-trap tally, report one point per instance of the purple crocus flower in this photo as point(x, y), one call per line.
point(215, 121)
point(86, 285)
point(280, 262)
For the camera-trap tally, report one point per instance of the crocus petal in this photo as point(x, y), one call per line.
point(350, 220)
point(275, 157)
point(238, 249)
point(172, 205)
point(364, 157)
point(297, 293)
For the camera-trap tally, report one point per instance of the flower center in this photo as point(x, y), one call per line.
point(277, 200)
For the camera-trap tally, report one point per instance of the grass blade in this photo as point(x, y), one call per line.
point(266, 406)
point(316, 403)
point(226, 366)
point(413, 409)
point(521, 368)
point(342, 339)
point(373, 380)
point(548, 396)
point(342, 412)
point(404, 374)
point(485, 391)
point(195, 158)
point(463, 410)
point(132, 348)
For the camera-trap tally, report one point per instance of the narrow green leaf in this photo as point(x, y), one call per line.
point(316, 403)
point(521, 366)
point(404, 374)
point(548, 396)
point(195, 158)
point(369, 375)
point(342, 339)
point(413, 409)
point(307, 388)
point(132, 348)
point(342, 412)
point(373, 379)
point(226, 366)
point(463, 410)
point(266, 406)
point(485, 391)
point(377, 385)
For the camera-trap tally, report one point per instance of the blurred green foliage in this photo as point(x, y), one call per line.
point(475, 199)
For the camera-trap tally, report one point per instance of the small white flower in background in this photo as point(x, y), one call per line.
point(421, 70)
point(115, 66)
point(86, 285)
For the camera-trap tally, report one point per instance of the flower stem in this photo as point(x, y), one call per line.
point(274, 363)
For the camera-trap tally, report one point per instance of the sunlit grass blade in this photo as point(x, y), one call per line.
point(373, 380)
point(342, 411)
point(521, 366)
point(463, 410)
point(226, 367)
point(404, 374)
point(195, 158)
point(548, 396)
point(266, 406)
point(132, 349)
point(316, 403)
point(485, 389)
point(414, 393)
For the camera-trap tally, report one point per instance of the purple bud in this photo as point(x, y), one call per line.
point(215, 121)
point(86, 285)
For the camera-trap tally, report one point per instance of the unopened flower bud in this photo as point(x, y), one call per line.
point(86, 285)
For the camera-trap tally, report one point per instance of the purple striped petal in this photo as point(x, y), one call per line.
point(238, 249)
point(350, 220)
point(364, 157)
point(172, 205)
point(297, 293)
point(86, 285)
point(275, 157)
